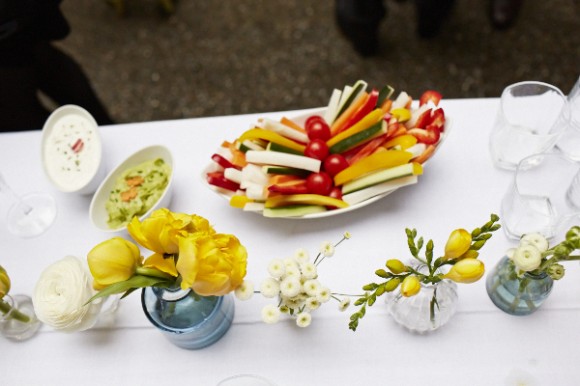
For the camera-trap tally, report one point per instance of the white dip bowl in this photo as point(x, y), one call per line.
point(72, 151)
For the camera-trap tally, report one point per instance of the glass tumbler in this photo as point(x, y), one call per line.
point(544, 196)
point(531, 117)
point(569, 142)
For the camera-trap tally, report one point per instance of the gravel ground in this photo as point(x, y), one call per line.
point(246, 56)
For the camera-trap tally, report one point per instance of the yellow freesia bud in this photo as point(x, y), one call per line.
point(458, 243)
point(211, 264)
point(113, 261)
point(466, 271)
point(396, 266)
point(161, 231)
point(410, 286)
point(4, 282)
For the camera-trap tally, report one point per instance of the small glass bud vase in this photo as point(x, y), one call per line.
point(517, 294)
point(188, 320)
point(17, 318)
point(431, 308)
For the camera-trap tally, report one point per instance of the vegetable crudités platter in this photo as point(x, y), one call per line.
point(363, 146)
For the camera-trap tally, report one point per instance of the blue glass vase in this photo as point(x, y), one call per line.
point(188, 320)
point(517, 295)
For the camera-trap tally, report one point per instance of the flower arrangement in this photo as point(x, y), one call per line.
point(461, 252)
point(294, 282)
point(535, 256)
point(186, 252)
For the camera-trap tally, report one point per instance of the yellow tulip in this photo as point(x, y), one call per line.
point(113, 261)
point(466, 271)
point(4, 282)
point(161, 263)
point(458, 243)
point(410, 286)
point(161, 231)
point(211, 264)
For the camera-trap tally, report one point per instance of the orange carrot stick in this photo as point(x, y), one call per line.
point(339, 123)
point(287, 122)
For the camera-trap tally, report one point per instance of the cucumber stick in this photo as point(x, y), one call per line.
point(283, 159)
point(410, 169)
point(359, 138)
point(375, 190)
point(270, 169)
point(293, 210)
point(272, 146)
point(349, 96)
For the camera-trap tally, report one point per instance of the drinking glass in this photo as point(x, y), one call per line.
point(531, 117)
point(245, 380)
point(569, 142)
point(543, 197)
point(31, 214)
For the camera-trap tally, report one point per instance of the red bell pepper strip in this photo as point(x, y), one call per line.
point(297, 186)
point(218, 179)
point(430, 96)
point(368, 149)
point(223, 162)
point(364, 109)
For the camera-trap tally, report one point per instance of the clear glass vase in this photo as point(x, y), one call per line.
point(517, 295)
point(17, 318)
point(431, 308)
point(188, 320)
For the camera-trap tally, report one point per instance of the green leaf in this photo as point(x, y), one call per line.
point(128, 286)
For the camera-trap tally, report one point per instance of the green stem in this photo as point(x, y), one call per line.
point(152, 272)
point(15, 314)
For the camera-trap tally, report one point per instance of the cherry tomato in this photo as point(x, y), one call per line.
point(316, 148)
point(319, 183)
point(334, 164)
point(317, 128)
point(335, 193)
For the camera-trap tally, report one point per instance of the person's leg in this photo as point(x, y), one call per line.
point(359, 21)
point(430, 16)
point(20, 108)
point(62, 79)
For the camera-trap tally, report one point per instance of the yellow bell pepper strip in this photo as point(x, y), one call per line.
point(369, 120)
point(404, 141)
point(376, 161)
point(376, 130)
point(402, 114)
point(239, 201)
point(304, 199)
point(268, 135)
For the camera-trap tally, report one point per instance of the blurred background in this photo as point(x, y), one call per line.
point(227, 57)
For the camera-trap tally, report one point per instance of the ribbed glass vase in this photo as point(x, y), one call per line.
point(188, 320)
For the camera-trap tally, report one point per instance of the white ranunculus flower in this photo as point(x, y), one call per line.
point(60, 294)
point(270, 314)
point(537, 240)
point(270, 288)
point(527, 258)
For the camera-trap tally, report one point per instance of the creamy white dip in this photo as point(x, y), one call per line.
point(72, 152)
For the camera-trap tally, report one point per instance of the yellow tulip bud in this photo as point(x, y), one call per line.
point(466, 271)
point(458, 243)
point(396, 266)
point(410, 286)
point(4, 282)
point(113, 261)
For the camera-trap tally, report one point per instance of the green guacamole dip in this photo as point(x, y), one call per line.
point(136, 191)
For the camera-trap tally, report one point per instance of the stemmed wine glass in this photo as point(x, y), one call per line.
point(31, 214)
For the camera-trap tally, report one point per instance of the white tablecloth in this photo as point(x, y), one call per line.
point(460, 188)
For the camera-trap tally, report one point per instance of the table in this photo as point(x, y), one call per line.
point(460, 188)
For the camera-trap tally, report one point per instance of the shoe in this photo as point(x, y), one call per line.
point(430, 16)
point(503, 13)
point(359, 22)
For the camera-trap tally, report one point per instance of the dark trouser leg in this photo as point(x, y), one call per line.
point(20, 108)
point(430, 16)
point(359, 21)
point(63, 80)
